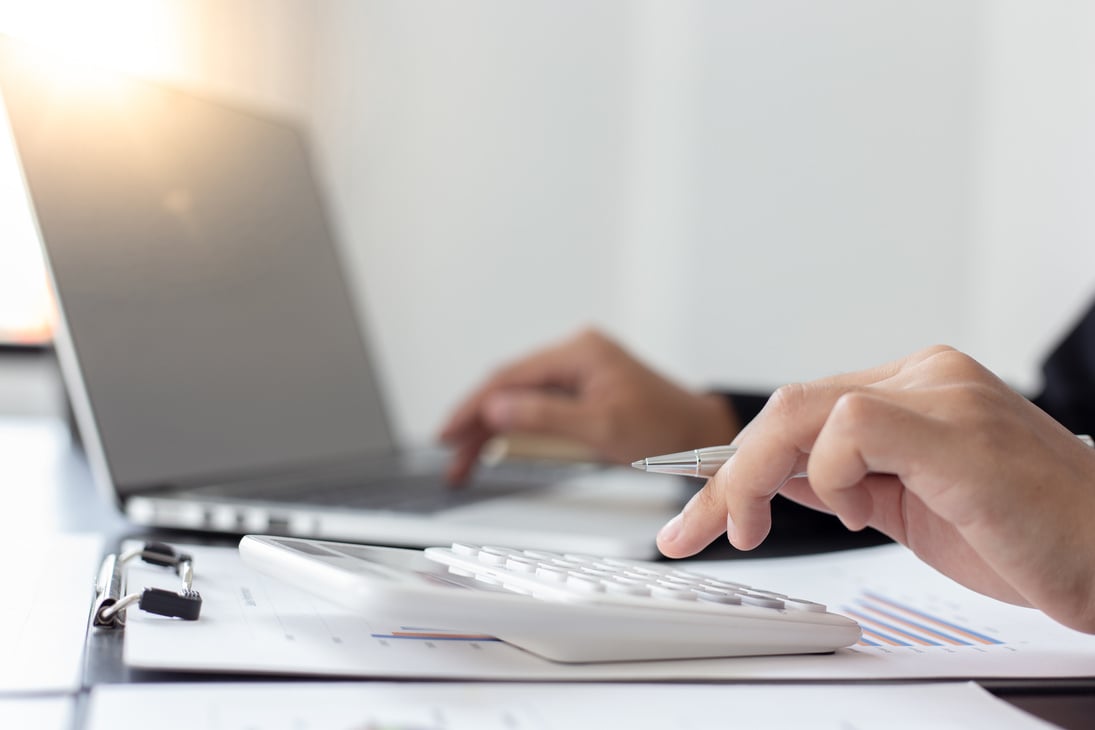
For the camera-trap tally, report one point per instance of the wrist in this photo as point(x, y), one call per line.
point(717, 422)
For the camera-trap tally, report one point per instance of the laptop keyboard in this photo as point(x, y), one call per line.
point(417, 493)
point(420, 494)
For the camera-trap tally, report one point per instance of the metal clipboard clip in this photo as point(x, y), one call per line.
point(108, 611)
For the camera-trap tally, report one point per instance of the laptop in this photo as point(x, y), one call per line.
point(210, 347)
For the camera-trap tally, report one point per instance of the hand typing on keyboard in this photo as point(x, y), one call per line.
point(590, 390)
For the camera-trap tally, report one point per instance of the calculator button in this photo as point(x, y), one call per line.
point(580, 558)
point(756, 599)
point(661, 591)
point(799, 604)
point(628, 581)
point(500, 549)
point(552, 573)
point(463, 548)
point(717, 596)
point(725, 584)
point(685, 576)
point(539, 555)
point(585, 583)
point(619, 588)
point(492, 556)
point(770, 594)
point(674, 582)
point(521, 564)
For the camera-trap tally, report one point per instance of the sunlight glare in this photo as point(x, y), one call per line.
point(134, 36)
point(138, 37)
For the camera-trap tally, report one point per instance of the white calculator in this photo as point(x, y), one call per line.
point(563, 607)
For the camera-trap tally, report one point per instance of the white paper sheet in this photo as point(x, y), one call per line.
point(252, 623)
point(39, 713)
point(550, 707)
point(48, 586)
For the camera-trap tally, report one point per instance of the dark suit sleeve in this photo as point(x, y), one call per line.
point(1069, 389)
point(746, 405)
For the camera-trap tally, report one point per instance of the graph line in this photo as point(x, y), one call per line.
point(886, 622)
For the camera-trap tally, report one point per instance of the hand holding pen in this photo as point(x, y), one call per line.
point(934, 451)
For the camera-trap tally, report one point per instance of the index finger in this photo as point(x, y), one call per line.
point(770, 449)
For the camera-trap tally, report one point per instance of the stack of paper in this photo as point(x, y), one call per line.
point(917, 624)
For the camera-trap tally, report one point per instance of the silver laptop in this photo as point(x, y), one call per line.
point(209, 344)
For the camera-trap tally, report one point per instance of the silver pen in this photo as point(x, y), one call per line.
point(705, 462)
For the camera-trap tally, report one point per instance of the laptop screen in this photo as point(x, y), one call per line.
point(207, 328)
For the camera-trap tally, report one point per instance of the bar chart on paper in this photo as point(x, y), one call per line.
point(916, 623)
point(886, 622)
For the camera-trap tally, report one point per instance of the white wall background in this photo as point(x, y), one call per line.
point(744, 192)
point(478, 161)
point(1034, 248)
point(806, 169)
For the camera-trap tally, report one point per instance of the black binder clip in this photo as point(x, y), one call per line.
point(110, 604)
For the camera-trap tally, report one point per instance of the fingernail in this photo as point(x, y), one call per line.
point(731, 529)
point(498, 411)
point(671, 530)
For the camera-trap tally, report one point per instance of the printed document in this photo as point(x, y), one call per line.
point(917, 624)
point(482, 706)
point(48, 589)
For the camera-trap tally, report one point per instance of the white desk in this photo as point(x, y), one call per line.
point(45, 485)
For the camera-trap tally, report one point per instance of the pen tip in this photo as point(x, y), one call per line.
point(640, 464)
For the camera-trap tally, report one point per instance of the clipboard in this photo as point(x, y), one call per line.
point(104, 639)
point(111, 600)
